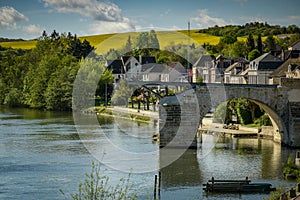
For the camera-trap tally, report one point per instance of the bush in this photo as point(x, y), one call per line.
point(13, 98)
point(291, 168)
point(264, 120)
point(96, 187)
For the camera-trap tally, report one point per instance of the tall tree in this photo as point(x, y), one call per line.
point(44, 35)
point(153, 41)
point(128, 45)
point(147, 40)
point(142, 41)
point(122, 94)
point(54, 35)
point(250, 42)
point(259, 46)
point(270, 42)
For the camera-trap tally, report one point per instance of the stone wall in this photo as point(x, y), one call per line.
point(179, 121)
point(267, 132)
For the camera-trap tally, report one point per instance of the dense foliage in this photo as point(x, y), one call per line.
point(276, 38)
point(43, 77)
point(254, 28)
point(246, 112)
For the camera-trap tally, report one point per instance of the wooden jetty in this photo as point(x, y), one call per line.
point(236, 186)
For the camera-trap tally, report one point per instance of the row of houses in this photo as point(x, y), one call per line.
point(145, 68)
point(266, 69)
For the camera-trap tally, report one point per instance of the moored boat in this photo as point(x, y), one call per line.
point(236, 186)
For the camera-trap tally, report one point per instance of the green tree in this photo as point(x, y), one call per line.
point(86, 83)
point(153, 41)
point(253, 54)
point(270, 42)
point(238, 49)
point(142, 41)
point(58, 95)
point(105, 86)
point(146, 41)
point(38, 79)
point(229, 38)
point(2, 91)
point(13, 98)
point(259, 46)
point(250, 42)
point(223, 113)
point(246, 111)
point(122, 94)
point(128, 46)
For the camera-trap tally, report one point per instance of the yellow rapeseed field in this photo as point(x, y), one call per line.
point(108, 41)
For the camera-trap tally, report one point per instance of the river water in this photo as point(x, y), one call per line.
point(41, 153)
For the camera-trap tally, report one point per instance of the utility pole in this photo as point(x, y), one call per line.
point(188, 54)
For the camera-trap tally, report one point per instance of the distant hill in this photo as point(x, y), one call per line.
point(212, 35)
point(10, 40)
point(107, 41)
point(254, 28)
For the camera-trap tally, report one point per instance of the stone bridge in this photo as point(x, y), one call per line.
point(180, 115)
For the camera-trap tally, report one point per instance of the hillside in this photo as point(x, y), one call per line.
point(253, 28)
point(211, 35)
point(107, 41)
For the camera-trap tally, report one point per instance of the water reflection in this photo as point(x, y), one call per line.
point(231, 158)
point(183, 172)
point(41, 152)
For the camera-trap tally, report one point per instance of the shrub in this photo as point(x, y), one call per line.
point(96, 187)
point(13, 98)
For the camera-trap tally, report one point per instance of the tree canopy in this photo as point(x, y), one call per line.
point(43, 77)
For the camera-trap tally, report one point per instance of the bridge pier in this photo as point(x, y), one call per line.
point(178, 122)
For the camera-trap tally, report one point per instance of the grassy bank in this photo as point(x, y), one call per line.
point(107, 111)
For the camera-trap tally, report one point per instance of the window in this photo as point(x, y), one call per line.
point(145, 77)
point(164, 78)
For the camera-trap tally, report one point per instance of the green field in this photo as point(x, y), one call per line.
point(107, 41)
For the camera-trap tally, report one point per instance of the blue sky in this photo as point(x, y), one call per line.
point(28, 18)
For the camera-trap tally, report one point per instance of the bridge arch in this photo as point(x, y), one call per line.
point(269, 98)
point(279, 128)
point(274, 100)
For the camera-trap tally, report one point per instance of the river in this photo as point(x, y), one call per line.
point(41, 153)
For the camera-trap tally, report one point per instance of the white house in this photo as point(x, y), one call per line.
point(261, 67)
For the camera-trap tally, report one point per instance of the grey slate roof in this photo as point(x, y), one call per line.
point(147, 59)
point(201, 62)
point(116, 66)
point(267, 62)
point(178, 67)
point(282, 69)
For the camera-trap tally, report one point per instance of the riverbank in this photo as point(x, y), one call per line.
point(126, 113)
point(209, 126)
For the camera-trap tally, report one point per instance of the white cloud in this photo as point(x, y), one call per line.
point(107, 17)
point(9, 17)
point(103, 27)
point(203, 20)
point(247, 19)
point(91, 8)
point(33, 29)
point(294, 17)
